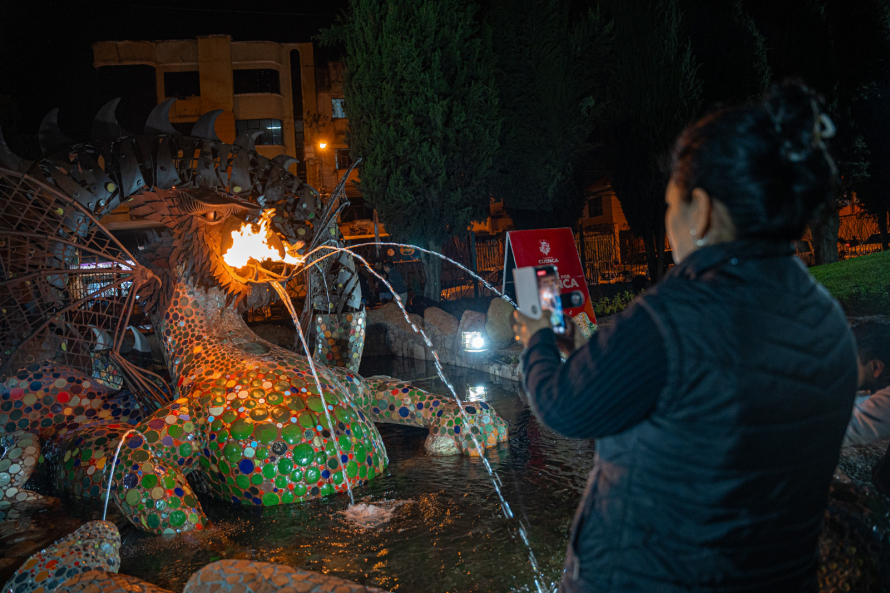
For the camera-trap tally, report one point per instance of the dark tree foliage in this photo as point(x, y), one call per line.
point(729, 50)
point(656, 91)
point(423, 115)
point(872, 113)
point(550, 67)
point(840, 49)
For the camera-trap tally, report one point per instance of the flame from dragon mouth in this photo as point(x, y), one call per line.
point(248, 244)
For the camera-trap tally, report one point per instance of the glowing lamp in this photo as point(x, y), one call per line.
point(322, 145)
point(473, 341)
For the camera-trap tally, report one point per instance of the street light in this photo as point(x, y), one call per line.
point(322, 145)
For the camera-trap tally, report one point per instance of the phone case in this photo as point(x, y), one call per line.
point(527, 298)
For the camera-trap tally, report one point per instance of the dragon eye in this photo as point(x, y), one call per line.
point(212, 216)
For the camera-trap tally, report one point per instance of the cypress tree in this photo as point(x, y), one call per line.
point(872, 113)
point(550, 71)
point(423, 115)
point(730, 51)
point(656, 91)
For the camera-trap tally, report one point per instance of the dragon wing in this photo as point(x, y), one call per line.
point(67, 287)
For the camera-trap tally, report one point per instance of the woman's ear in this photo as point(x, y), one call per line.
point(700, 212)
point(877, 367)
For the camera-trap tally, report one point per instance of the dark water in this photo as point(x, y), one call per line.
point(450, 535)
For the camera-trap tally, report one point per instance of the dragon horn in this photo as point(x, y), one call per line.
point(247, 140)
point(51, 138)
point(105, 123)
point(204, 127)
point(284, 161)
point(8, 160)
point(158, 122)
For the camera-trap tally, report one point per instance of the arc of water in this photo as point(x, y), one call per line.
point(111, 472)
point(324, 404)
point(495, 479)
point(484, 282)
point(377, 440)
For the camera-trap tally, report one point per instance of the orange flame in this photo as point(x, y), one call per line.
point(248, 244)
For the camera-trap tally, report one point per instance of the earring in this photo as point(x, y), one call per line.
point(703, 241)
point(692, 232)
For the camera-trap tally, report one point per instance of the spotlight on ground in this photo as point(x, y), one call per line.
point(474, 342)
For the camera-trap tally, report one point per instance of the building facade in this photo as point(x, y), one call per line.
point(259, 85)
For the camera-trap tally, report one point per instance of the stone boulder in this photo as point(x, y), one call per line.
point(441, 327)
point(471, 321)
point(499, 323)
point(388, 333)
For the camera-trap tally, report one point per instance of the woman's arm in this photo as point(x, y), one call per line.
point(871, 419)
point(606, 386)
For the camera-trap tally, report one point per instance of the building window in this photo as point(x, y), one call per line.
point(272, 130)
point(338, 110)
point(182, 85)
point(595, 207)
point(256, 81)
point(342, 158)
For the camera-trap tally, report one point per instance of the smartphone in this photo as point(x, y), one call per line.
point(537, 290)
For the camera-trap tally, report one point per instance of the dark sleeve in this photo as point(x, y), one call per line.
point(605, 387)
point(398, 283)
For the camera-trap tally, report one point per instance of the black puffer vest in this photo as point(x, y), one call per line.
point(724, 486)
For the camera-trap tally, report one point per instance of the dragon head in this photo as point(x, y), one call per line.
point(212, 239)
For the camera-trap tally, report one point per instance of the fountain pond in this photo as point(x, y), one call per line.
point(437, 524)
point(445, 531)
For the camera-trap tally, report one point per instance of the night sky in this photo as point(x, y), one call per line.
point(46, 56)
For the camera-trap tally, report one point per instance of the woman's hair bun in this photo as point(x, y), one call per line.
point(767, 163)
point(796, 114)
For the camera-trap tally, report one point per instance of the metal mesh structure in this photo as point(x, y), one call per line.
point(67, 287)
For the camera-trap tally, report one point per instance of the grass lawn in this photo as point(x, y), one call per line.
point(861, 284)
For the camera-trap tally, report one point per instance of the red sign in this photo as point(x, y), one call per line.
point(549, 247)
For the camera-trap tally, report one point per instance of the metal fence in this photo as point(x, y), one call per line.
point(857, 235)
point(608, 257)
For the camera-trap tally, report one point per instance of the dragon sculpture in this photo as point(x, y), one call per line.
point(252, 422)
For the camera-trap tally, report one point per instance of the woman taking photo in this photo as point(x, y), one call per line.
point(719, 399)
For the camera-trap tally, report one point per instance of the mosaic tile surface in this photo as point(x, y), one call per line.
point(340, 339)
point(95, 546)
point(97, 581)
point(20, 456)
point(242, 576)
point(50, 403)
point(583, 322)
point(251, 419)
point(394, 401)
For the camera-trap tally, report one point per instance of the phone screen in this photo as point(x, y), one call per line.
point(548, 294)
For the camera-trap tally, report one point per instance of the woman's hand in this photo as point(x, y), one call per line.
point(525, 327)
